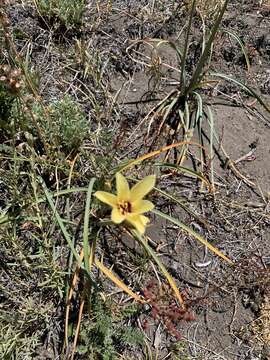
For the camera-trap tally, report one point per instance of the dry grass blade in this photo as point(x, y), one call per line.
point(157, 153)
point(193, 233)
point(71, 291)
point(117, 281)
point(77, 332)
point(170, 280)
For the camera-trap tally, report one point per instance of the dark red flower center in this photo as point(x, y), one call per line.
point(124, 207)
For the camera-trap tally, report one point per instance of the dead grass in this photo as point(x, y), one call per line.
point(261, 326)
point(265, 315)
point(208, 9)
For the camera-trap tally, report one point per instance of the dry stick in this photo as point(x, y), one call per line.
point(77, 328)
point(73, 284)
point(231, 165)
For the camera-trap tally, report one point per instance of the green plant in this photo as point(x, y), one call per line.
point(184, 112)
point(68, 12)
point(10, 86)
point(67, 127)
point(101, 336)
point(88, 259)
point(24, 314)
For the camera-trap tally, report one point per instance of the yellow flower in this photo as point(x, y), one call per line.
point(128, 204)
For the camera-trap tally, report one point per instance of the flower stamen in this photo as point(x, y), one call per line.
point(124, 207)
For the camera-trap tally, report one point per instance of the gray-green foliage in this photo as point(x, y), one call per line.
point(16, 345)
point(104, 335)
point(65, 125)
point(68, 12)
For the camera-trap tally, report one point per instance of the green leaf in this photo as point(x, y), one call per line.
point(86, 247)
point(242, 46)
point(194, 82)
point(59, 220)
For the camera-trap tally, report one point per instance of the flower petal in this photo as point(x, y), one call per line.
point(138, 222)
point(142, 188)
point(142, 206)
point(106, 197)
point(122, 187)
point(116, 216)
point(144, 219)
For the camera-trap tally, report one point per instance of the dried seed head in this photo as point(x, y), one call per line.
point(11, 78)
point(6, 69)
point(15, 73)
point(12, 82)
point(18, 85)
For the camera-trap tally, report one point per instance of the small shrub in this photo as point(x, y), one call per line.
point(67, 127)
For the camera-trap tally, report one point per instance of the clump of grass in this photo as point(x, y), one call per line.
point(29, 270)
point(68, 12)
point(184, 112)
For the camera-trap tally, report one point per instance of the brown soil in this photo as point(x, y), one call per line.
point(231, 304)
